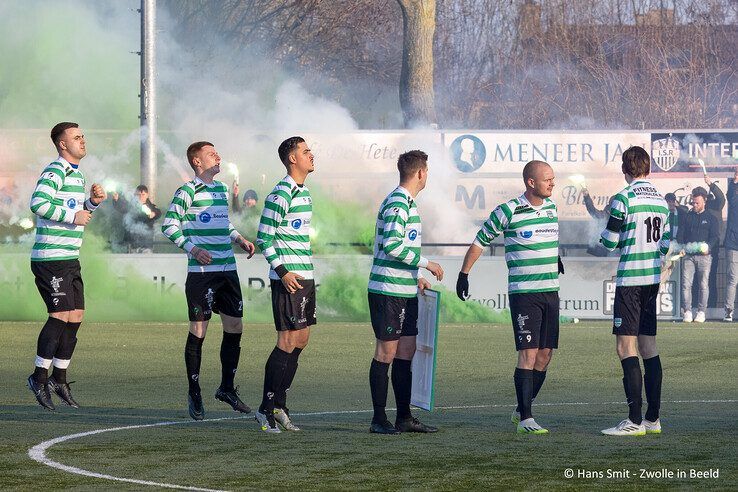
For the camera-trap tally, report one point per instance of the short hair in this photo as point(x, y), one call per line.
point(530, 168)
point(636, 161)
point(194, 148)
point(410, 162)
point(141, 188)
point(287, 147)
point(59, 129)
point(670, 197)
point(250, 195)
point(700, 191)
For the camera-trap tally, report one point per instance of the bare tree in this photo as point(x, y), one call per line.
point(417, 97)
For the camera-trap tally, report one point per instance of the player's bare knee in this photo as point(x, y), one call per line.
point(232, 325)
point(527, 358)
point(647, 346)
point(543, 358)
point(626, 347)
point(63, 316)
point(385, 351)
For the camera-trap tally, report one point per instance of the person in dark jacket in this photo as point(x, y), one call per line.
point(731, 246)
point(698, 226)
point(139, 217)
point(715, 205)
point(676, 212)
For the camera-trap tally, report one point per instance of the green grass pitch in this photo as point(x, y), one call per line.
point(132, 374)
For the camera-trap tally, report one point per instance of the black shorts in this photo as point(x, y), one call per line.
point(393, 317)
point(634, 311)
point(535, 320)
point(60, 284)
point(213, 292)
point(293, 311)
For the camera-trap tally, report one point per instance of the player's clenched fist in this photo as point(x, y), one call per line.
point(201, 255)
point(82, 217)
point(97, 194)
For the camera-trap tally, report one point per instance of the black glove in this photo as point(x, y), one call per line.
point(462, 286)
point(561, 266)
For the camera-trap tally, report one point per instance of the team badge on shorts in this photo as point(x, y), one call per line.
point(618, 322)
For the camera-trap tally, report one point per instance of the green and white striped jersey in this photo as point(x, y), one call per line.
point(284, 229)
point(531, 243)
point(198, 216)
point(643, 236)
point(59, 194)
point(397, 247)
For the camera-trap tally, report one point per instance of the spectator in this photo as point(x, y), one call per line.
point(731, 246)
point(143, 217)
point(715, 206)
point(250, 199)
point(676, 212)
point(698, 226)
point(139, 219)
point(593, 211)
point(601, 216)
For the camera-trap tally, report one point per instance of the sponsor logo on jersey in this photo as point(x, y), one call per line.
point(220, 216)
point(521, 209)
point(205, 217)
point(412, 234)
point(296, 223)
point(526, 234)
point(72, 203)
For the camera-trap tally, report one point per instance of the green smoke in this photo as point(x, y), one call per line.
point(61, 62)
point(129, 296)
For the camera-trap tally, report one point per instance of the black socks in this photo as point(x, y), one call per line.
point(538, 378)
point(524, 386)
point(402, 383)
point(652, 383)
point(633, 385)
point(193, 356)
point(230, 350)
point(64, 352)
point(46, 347)
point(378, 383)
point(280, 399)
point(274, 376)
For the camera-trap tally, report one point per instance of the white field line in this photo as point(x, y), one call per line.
point(38, 452)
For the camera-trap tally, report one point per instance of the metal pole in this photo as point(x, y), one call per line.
point(148, 95)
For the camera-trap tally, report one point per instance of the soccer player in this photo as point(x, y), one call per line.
point(530, 227)
point(62, 214)
point(393, 289)
point(284, 239)
point(639, 226)
point(197, 221)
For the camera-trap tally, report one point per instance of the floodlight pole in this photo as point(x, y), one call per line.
point(147, 95)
